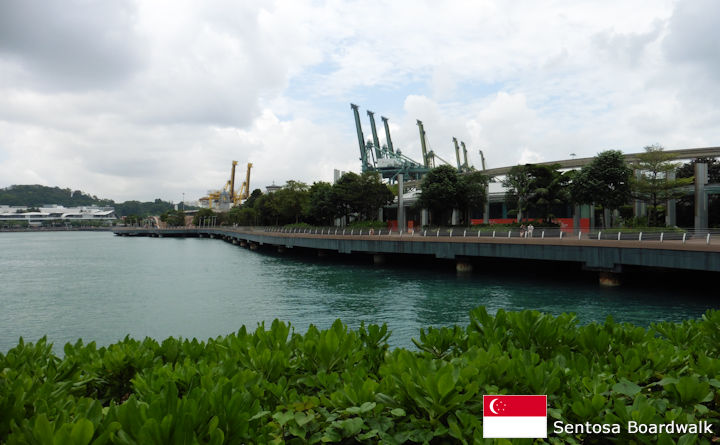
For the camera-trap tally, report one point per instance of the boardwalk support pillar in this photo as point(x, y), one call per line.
point(463, 266)
point(378, 258)
point(609, 279)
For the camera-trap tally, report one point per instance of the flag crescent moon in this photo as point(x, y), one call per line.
point(491, 406)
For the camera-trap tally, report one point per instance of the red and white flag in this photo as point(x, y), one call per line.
point(514, 416)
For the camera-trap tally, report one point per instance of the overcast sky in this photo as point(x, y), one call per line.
point(144, 100)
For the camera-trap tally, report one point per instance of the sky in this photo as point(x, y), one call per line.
point(155, 99)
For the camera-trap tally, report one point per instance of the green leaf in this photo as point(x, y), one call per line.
point(626, 387)
point(43, 430)
point(82, 432)
point(283, 418)
point(399, 412)
point(303, 418)
point(352, 426)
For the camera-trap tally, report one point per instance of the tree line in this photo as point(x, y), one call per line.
point(36, 196)
point(538, 192)
point(360, 196)
point(607, 183)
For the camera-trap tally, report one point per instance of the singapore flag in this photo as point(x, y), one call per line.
point(514, 416)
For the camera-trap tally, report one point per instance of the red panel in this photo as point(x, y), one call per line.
point(514, 406)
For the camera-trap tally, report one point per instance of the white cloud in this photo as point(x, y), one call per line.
point(138, 100)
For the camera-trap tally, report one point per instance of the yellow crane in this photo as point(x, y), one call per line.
point(229, 190)
point(244, 192)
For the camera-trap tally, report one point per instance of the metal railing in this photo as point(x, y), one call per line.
point(696, 236)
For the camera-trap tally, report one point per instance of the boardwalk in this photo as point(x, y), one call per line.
point(606, 256)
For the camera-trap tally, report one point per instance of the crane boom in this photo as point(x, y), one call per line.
point(361, 137)
point(422, 144)
point(457, 153)
point(387, 134)
point(376, 140)
point(232, 182)
point(467, 166)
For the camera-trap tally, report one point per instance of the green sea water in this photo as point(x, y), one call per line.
point(101, 287)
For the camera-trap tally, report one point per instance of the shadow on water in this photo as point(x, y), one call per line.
point(425, 291)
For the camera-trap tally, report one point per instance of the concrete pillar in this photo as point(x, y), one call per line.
point(322, 253)
point(592, 216)
point(640, 206)
point(424, 217)
point(701, 199)
point(253, 246)
point(401, 204)
point(463, 266)
point(576, 218)
point(380, 214)
point(606, 218)
point(243, 243)
point(455, 219)
point(670, 215)
point(609, 279)
point(281, 249)
point(486, 207)
point(378, 258)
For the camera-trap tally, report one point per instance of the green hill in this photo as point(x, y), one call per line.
point(39, 195)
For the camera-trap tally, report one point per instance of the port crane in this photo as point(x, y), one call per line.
point(389, 161)
point(227, 197)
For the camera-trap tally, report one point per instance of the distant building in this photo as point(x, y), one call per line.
point(273, 188)
point(55, 213)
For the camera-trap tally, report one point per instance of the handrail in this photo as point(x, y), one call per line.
point(706, 236)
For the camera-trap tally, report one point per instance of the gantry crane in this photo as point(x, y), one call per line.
point(244, 192)
point(384, 159)
point(227, 197)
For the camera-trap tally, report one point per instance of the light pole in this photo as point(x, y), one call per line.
point(183, 202)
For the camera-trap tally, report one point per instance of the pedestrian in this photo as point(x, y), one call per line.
point(530, 230)
point(522, 230)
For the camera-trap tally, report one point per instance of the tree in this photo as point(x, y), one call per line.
point(347, 194)
point(440, 190)
point(687, 170)
point(686, 204)
point(605, 181)
point(548, 189)
point(374, 195)
point(321, 207)
point(519, 183)
point(242, 216)
point(266, 210)
point(652, 184)
point(205, 217)
point(291, 201)
point(253, 196)
point(173, 218)
point(472, 188)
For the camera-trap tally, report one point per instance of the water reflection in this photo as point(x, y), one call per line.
point(110, 287)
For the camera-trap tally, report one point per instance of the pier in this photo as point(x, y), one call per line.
point(605, 254)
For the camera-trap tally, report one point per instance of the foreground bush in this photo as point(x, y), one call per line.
point(346, 386)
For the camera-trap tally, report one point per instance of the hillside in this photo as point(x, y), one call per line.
point(39, 195)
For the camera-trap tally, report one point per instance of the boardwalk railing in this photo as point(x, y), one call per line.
point(705, 235)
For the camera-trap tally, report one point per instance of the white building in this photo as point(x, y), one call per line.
point(55, 213)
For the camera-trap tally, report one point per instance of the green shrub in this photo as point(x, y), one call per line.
point(376, 225)
point(340, 385)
